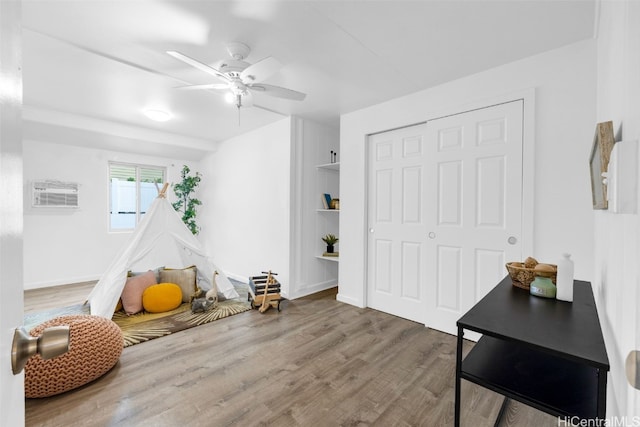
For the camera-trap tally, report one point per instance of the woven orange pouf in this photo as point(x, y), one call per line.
point(95, 345)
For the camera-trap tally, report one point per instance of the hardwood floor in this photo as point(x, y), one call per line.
point(316, 363)
point(56, 296)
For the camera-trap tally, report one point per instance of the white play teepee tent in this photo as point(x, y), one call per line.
point(161, 239)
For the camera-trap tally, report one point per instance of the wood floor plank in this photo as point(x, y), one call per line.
point(318, 362)
point(56, 296)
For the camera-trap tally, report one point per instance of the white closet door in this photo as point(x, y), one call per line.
point(444, 213)
point(396, 244)
point(474, 167)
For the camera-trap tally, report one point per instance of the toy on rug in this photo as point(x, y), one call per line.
point(264, 291)
point(201, 301)
point(212, 294)
point(200, 305)
point(199, 293)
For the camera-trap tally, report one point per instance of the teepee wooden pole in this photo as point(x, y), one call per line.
point(163, 192)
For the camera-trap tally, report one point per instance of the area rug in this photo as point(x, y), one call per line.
point(143, 326)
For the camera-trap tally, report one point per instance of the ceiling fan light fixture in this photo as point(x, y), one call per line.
point(158, 115)
point(240, 77)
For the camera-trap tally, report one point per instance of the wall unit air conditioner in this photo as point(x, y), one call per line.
point(54, 194)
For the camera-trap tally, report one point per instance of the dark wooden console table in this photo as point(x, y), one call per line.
point(545, 353)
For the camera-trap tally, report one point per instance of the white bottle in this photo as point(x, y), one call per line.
point(564, 281)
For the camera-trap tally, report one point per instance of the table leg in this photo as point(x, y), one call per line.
point(503, 409)
point(602, 394)
point(458, 370)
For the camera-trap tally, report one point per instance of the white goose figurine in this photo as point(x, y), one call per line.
point(212, 294)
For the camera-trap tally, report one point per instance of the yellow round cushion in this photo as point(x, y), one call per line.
point(161, 297)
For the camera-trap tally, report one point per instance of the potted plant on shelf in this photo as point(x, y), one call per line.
point(330, 240)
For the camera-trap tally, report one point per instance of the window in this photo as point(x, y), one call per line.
point(132, 188)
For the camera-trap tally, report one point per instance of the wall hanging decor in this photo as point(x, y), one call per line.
point(599, 161)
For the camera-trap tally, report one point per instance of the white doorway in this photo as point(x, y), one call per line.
point(444, 213)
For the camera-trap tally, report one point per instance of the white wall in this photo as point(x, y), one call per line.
point(246, 202)
point(617, 274)
point(564, 83)
point(64, 246)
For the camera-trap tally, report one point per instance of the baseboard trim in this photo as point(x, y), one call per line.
point(316, 287)
point(349, 300)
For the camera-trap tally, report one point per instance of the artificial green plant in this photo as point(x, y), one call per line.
point(330, 239)
point(186, 203)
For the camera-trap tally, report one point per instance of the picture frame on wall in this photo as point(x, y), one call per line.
point(603, 141)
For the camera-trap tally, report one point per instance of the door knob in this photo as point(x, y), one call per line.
point(512, 240)
point(431, 235)
point(53, 342)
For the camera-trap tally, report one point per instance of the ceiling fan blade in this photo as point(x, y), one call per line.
point(278, 92)
point(214, 86)
point(260, 71)
point(197, 64)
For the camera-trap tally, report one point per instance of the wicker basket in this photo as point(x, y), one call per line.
point(521, 276)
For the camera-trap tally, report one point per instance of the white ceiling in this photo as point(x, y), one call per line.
point(91, 67)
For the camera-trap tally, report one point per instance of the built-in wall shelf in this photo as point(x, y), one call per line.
point(329, 258)
point(328, 184)
point(333, 166)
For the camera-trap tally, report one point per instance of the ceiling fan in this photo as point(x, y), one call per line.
point(240, 78)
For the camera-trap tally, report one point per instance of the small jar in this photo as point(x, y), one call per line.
point(543, 287)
